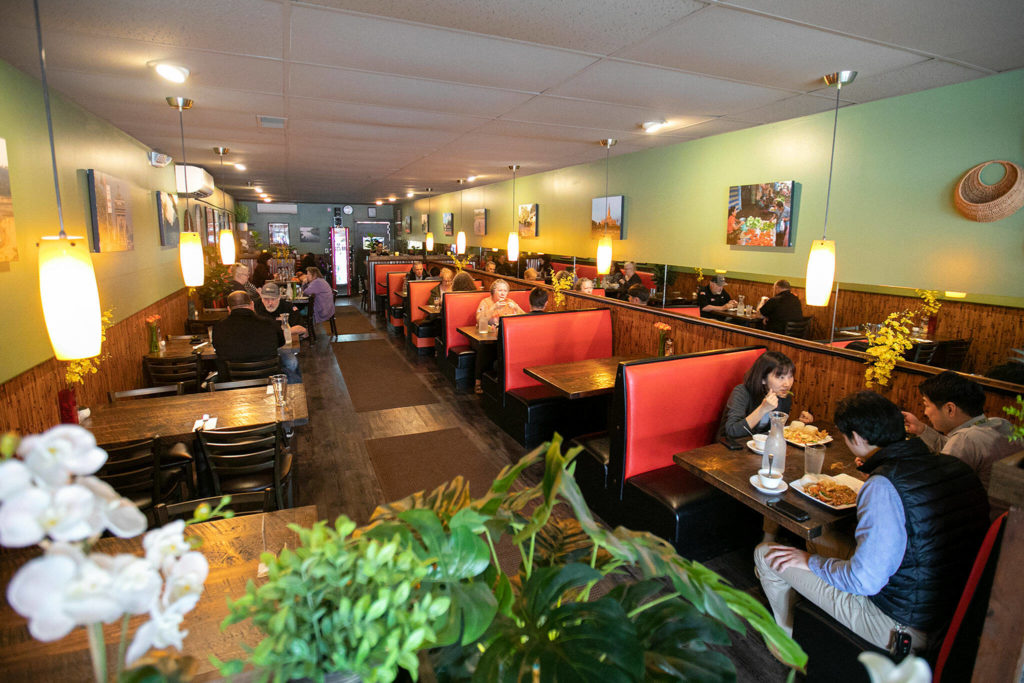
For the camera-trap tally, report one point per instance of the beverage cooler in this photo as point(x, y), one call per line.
point(340, 249)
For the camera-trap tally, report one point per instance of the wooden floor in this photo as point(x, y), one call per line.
point(335, 474)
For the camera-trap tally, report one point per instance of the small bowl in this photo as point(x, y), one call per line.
point(760, 440)
point(771, 482)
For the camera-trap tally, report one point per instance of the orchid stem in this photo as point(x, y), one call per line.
point(123, 645)
point(98, 650)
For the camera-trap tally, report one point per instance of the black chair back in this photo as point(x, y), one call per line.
point(133, 469)
point(798, 328)
point(165, 371)
point(248, 459)
point(951, 354)
point(149, 392)
point(240, 504)
point(923, 353)
point(255, 369)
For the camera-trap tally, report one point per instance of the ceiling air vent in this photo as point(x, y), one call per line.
point(265, 121)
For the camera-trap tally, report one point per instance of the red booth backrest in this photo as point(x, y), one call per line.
point(395, 283)
point(684, 310)
point(543, 339)
point(586, 271)
point(459, 310)
point(675, 404)
point(380, 272)
point(646, 279)
point(419, 295)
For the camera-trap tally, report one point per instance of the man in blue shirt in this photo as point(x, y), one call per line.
point(920, 520)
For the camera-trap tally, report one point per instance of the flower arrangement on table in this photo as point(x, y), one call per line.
point(49, 497)
point(153, 329)
point(663, 330)
point(460, 265)
point(75, 372)
point(893, 339)
point(700, 276)
point(929, 308)
point(560, 282)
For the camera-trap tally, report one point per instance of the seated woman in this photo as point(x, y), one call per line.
point(532, 275)
point(766, 388)
point(497, 305)
point(463, 282)
point(313, 282)
point(585, 285)
point(442, 287)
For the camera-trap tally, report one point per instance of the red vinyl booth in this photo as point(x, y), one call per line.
point(660, 407)
point(395, 309)
point(692, 311)
point(380, 288)
point(419, 332)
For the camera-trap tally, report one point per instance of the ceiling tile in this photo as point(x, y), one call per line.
point(931, 73)
point(572, 112)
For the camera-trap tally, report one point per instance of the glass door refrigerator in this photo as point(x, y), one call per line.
point(342, 264)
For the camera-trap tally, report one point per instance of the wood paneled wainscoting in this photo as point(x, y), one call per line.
point(824, 374)
point(28, 402)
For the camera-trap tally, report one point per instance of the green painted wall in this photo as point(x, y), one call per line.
point(128, 281)
point(891, 213)
point(314, 216)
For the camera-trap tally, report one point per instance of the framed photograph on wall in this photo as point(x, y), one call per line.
point(448, 220)
point(211, 226)
point(425, 222)
point(278, 233)
point(167, 219)
point(606, 218)
point(371, 212)
point(307, 234)
point(8, 240)
point(408, 224)
point(110, 205)
point(479, 221)
point(527, 220)
point(761, 215)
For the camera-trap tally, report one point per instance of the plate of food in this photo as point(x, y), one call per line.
point(836, 493)
point(800, 434)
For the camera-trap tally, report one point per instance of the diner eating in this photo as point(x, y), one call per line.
point(329, 358)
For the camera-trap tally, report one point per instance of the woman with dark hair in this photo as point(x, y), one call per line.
point(765, 389)
point(261, 273)
point(323, 305)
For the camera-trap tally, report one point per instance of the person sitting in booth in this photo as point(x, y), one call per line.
point(920, 520)
point(490, 266)
point(532, 275)
point(956, 408)
point(783, 307)
point(261, 273)
point(239, 274)
point(546, 270)
point(584, 285)
point(442, 287)
point(538, 299)
point(713, 300)
point(463, 282)
point(272, 306)
point(629, 278)
point(503, 267)
point(765, 389)
point(314, 283)
point(638, 294)
point(497, 305)
point(244, 336)
point(613, 281)
point(417, 272)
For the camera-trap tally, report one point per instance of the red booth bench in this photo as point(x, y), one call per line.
point(528, 410)
point(395, 307)
point(663, 406)
point(420, 332)
point(380, 285)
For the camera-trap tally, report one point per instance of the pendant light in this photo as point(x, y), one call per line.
point(460, 238)
point(226, 238)
point(67, 281)
point(821, 262)
point(513, 236)
point(604, 245)
point(190, 246)
point(430, 235)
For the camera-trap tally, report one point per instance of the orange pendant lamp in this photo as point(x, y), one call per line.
point(513, 236)
point(227, 246)
point(604, 245)
point(430, 235)
point(190, 245)
point(67, 281)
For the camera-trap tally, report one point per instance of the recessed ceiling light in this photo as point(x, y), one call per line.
point(410, 194)
point(379, 202)
point(239, 167)
point(470, 178)
point(653, 126)
point(392, 198)
point(267, 199)
point(172, 72)
point(258, 189)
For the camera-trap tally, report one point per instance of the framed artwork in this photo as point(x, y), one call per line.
point(425, 221)
point(371, 212)
point(167, 219)
point(278, 233)
point(448, 221)
point(408, 224)
point(8, 241)
point(309, 234)
point(211, 226)
point(398, 214)
point(479, 221)
point(606, 218)
point(527, 220)
point(761, 215)
point(200, 220)
point(245, 245)
point(110, 205)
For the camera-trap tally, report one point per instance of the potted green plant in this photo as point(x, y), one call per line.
point(217, 284)
point(241, 215)
point(538, 623)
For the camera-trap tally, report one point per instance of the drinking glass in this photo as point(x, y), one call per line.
point(483, 327)
point(280, 384)
point(814, 458)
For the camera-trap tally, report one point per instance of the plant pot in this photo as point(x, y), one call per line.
point(68, 406)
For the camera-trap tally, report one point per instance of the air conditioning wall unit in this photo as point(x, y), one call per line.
point(200, 183)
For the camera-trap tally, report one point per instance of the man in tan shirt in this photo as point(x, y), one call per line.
point(956, 408)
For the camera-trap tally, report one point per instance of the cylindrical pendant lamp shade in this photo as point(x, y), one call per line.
point(604, 255)
point(513, 246)
point(227, 246)
point(460, 243)
point(430, 241)
point(71, 301)
point(821, 271)
point(190, 250)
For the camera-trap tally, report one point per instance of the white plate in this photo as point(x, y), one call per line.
point(752, 445)
point(827, 439)
point(845, 479)
point(781, 488)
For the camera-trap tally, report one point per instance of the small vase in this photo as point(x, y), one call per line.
point(933, 322)
point(661, 343)
point(68, 406)
point(154, 338)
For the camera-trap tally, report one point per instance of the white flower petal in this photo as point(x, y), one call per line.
point(69, 517)
point(50, 625)
point(15, 478)
point(35, 586)
point(165, 544)
point(125, 520)
point(141, 643)
point(57, 453)
point(20, 518)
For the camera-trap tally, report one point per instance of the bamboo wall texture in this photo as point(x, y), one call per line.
point(28, 402)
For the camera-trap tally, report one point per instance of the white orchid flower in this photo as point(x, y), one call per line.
point(34, 593)
point(111, 511)
point(136, 581)
point(14, 478)
point(166, 544)
point(184, 581)
point(881, 669)
point(90, 597)
point(58, 453)
point(162, 630)
point(64, 515)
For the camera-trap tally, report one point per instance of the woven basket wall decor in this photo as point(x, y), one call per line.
point(986, 203)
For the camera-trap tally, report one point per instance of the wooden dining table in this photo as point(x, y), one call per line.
point(730, 472)
point(430, 310)
point(181, 348)
point(231, 546)
point(478, 338)
point(580, 378)
point(173, 417)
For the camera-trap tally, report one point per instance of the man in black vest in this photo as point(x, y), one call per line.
point(920, 521)
point(782, 308)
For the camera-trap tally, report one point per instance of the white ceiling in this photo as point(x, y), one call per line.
point(386, 96)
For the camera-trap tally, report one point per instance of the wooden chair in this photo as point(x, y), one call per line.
point(244, 460)
point(148, 392)
point(252, 369)
point(923, 353)
point(137, 471)
point(799, 328)
point(364, 301)
point(951, 354)
point(180, 369)
point(198, 327)
point(241, 504)
point(238, 384)
point(310, 326)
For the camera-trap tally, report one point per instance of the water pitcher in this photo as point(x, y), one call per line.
point(776, 443)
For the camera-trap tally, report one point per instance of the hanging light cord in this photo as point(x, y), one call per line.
point(607, 162)
point(832, 158)
point(184, 159)
point(49, 119)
